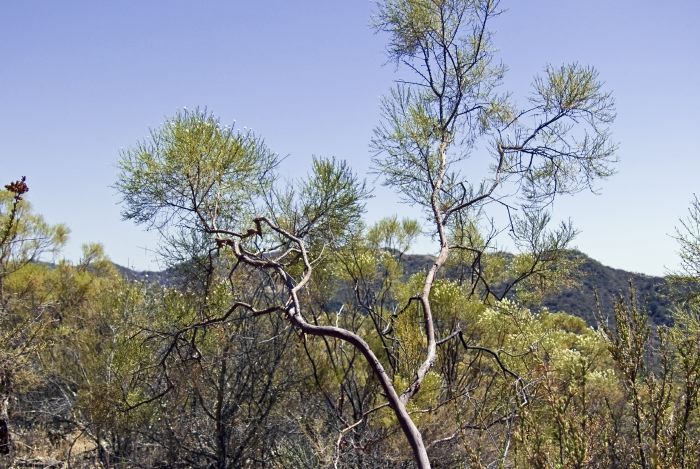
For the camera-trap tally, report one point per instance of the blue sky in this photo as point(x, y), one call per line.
point(79, 80)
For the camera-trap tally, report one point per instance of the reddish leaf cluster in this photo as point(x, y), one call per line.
point(18, 187)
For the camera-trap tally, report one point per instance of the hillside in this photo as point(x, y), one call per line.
point(594, 279)
point(609, 283)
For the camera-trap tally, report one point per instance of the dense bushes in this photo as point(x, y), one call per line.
point(128, 374)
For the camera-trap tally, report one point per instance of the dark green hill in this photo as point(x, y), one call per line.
point(594, 279)
point(609, 283)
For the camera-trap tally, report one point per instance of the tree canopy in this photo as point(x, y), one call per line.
point(292, 334)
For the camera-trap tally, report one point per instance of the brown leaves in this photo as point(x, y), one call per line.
point(18, 187)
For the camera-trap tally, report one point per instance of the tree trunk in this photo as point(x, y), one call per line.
point(5, 437)
point(410, 430)
point(5, 441)
point(221, 427)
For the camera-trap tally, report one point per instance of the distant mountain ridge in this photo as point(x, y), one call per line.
point(595, 280)
point(167, 277)
point(609, 284)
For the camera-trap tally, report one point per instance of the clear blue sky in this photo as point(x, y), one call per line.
point(81, 79)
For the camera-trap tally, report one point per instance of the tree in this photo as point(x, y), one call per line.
point(92, 368)
point(24, 237)
point(449, 106)
point(210, 186)
point(221, 388)
point(684, 283)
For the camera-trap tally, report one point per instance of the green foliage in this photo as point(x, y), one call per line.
point(239, 384)
point(25, 236)
point(194, 164)
point(216, 191)
point(331, 203)
point(437, 118)
point(393, 234)
point(688, 235)
point(684, 284)
point(298, 337)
